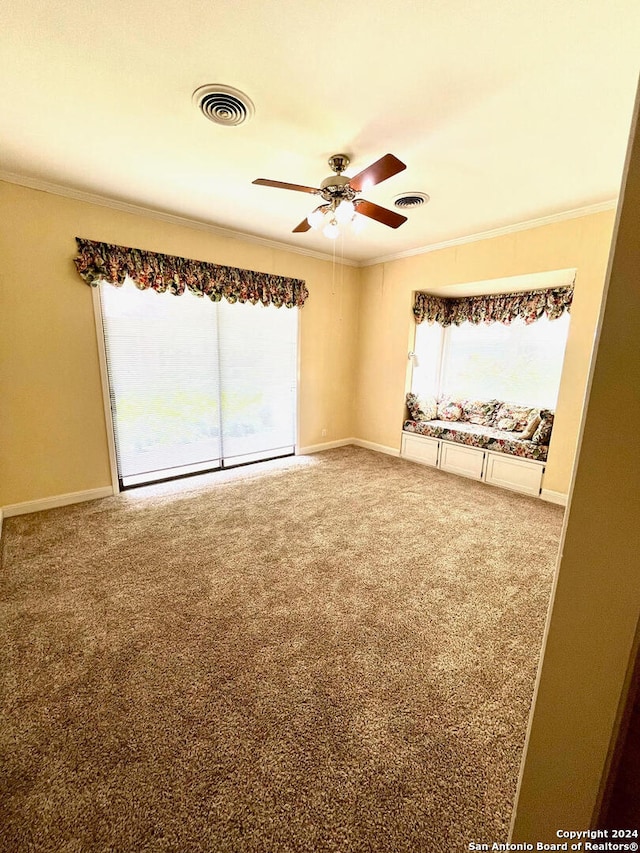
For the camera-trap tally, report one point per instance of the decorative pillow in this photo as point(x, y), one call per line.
point(449, 411)
point(429, 406)
point(422, 409)
point(532, 425)
point(542, 435)
point(512, 417)
point(479, 412)
point(412, 405)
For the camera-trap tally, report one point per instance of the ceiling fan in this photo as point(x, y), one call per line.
point(340, 195)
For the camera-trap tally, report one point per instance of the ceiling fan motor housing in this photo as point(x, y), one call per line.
point(337, 187)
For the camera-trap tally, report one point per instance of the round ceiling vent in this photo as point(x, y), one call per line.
point(407, 200)
point(223, 104)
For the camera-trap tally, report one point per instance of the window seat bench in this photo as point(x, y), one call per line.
point(498, 443)
point(478, 435)
point(497, 469)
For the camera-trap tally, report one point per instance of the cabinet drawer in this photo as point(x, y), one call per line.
point(511, 472)
point(420, 448)
point(459, 459)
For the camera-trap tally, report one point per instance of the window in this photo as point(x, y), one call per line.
point(519, 363)
point(196, 385)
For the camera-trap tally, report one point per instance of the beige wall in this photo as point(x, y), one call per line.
point(356, 329)
point(386, 321)
point(52, 429)
point(592, 632)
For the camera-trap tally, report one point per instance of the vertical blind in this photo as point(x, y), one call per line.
point(195, 384)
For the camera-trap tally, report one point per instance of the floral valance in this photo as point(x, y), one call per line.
point(493, 308)
point(106, 262)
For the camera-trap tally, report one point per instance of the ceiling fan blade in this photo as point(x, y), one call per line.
point(265, 182)
point(381, 214)
point(385, 167)
point(304, 226)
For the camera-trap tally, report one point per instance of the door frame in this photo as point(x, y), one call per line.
point(106, 396)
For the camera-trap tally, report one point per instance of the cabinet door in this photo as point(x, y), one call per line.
point(459, 459)
point(511, 472)
point(420, 448)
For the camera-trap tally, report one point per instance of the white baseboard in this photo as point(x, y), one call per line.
point(554, 497)
point(379, 448)
point(327, 445)
point(56, 501)
point(359, 442)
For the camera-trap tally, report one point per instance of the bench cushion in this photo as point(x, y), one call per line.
point(479, 435)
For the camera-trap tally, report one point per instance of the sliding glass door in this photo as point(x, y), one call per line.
point(195, 385)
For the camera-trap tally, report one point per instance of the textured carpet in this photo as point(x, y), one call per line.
point(328, 653)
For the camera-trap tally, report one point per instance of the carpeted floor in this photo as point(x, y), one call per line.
point(328, 653)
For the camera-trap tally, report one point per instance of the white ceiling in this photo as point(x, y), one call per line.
point(503, 110)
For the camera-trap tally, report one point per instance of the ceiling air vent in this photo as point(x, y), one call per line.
point(407, 200)
point(223, 104)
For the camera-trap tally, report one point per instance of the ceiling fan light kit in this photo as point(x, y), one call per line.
point(345, 212)
point(342, 206)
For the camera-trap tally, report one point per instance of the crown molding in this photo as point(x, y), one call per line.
point(171, 218)
point(576, 213)
point(200, 225)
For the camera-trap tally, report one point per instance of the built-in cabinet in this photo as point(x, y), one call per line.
point(497, 469)
point(458, 459)
point(420, 448)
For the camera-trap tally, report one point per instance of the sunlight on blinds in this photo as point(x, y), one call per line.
point(195, 383)
point(519, 363)
point(258, 352)
point(427, 347)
